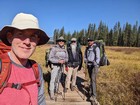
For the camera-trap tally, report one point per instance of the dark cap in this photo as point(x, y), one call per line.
point(90, 39)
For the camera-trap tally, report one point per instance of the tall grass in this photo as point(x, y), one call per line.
point(118, 83)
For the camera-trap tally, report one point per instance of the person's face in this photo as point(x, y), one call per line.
point(73, 42)
point(23, 43)
point(90, 42)
point(61, 43)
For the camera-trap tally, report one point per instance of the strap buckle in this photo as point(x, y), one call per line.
point(16, 86)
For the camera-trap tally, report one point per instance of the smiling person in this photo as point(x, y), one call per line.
point(25, 85)
point(58, 57)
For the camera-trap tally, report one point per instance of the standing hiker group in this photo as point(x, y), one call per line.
point(70, 59)
point(21, 79)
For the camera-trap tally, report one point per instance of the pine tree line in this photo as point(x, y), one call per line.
point(127, 36)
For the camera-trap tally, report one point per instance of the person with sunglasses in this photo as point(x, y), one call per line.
point(92, 59)
point(74, 64)
point(58, 57)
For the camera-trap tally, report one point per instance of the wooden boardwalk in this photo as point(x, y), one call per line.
point(76, 97)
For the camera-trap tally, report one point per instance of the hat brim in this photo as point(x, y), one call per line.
point(42, 35)
point(73, 40)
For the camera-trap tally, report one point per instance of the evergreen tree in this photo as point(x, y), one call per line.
point(138, 38)
point(110, 41)
point(80, 36)
point(102, 31)
point(91, 31)
point(62, 32)
point(68, 36)
point(116, 34)
point(129, 35)
point(134, 34)
point(120, 38)
point(56, 35)
point(126, 36)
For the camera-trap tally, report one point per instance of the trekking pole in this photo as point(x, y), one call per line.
point(63, 80)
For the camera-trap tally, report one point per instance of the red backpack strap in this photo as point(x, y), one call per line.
point(35, 69)
point(5, 70)
point(4, 48)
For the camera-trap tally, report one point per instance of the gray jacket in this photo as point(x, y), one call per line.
point(57, 53)
point(90, 56)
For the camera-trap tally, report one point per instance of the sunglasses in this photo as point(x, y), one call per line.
point(90, 40)
point(61, 41)
point(73, 41)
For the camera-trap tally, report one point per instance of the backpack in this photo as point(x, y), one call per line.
point(4, 48)
point(48, 62)
point(5, 71)
point(103, 57)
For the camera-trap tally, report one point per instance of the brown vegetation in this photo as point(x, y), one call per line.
point(118, 83)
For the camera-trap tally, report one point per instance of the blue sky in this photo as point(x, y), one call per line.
point(74, 15)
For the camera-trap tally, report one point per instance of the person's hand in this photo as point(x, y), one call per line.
point(46, 65)
point(79, 68)
point(66, 68)
point(85, 61)
point(97, 66)
point(61, 61)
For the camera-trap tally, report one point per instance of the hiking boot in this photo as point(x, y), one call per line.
point(65, 90)
point(94, 100)
point(52, 96)
point(72, 88)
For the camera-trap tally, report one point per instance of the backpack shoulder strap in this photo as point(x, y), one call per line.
point(94, 50)
point(35, 68)
point(86, 52)
point(5, 70)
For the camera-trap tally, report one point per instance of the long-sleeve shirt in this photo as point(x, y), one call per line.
point(90, 55)
point(58, 53)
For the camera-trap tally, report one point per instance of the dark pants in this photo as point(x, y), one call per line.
point(92, 74)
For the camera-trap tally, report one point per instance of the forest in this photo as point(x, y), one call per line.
point(128, 35)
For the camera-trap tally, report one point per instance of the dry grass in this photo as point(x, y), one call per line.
point(117, 84)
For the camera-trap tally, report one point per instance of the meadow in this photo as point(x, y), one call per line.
point(118, 83)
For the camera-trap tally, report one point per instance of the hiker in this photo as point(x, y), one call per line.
point(74, 64)
point(23, 35)
point(92, 61)
point(58, 57)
